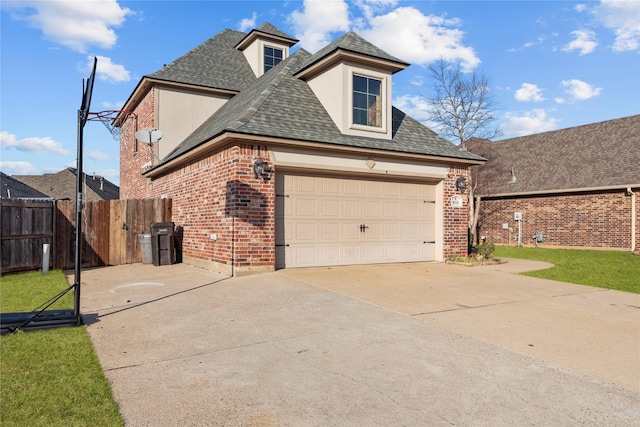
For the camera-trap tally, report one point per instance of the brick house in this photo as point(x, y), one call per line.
point(576, 186)
point(275, 159)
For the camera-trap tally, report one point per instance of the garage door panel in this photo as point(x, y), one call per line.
point(330, 231)
point(372, 209)
point(373, 188)
point(305, 184)
point(350, 255)
point(351, 209)
point(305, 232)
point(351, 231)
point(331, 208)
point(322, 218)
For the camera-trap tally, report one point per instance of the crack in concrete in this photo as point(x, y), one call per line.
point(468, 307)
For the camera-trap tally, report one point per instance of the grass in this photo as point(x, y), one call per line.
point(604, 269)
point(27, 291)
point(51, 377)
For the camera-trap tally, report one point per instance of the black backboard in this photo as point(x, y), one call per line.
point(87, 91)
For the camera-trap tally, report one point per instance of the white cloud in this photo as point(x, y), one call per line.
point(248, 23)
point(580, 7)
point(417, 80)
point(624, 19)
point(32, 144)
point(314, 25)
point(18, 168)
point(529, 92)
point(75, 24)
point(404, 32)
point(580, 90)
point(416, 106)
point(534, 121)
point(412, 36)
point(98, 156)
point(540, 40)
point(107, 105)
point(584, 42)
point(371, 7)
point(106, 70)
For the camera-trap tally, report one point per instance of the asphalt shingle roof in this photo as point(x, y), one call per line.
point(11, 188)
point(590, 156)
point(62, 185)
point(213, 64)
point(267, 28)
point(351, 42)
point(280, 105)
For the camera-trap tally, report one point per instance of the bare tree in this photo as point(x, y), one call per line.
point(462, 107)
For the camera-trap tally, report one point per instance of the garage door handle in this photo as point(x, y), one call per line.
point(286, 245)
point(429, 241)
point(363, 227)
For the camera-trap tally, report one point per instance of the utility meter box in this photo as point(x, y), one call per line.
point(517, 216)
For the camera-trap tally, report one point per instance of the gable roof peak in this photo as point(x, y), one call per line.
point(267, 31)
point(350, 44)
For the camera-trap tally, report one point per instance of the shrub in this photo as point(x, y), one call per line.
point(486, 249)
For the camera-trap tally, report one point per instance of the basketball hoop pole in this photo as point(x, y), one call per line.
point(78, 255)
point(83, 114)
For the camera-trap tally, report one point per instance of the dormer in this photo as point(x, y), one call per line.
point(265, 47)
point(352, 79)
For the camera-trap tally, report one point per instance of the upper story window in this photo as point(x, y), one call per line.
point(272, 57)
point(367, 101)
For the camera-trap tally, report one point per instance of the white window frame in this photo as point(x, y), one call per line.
point(384, 91)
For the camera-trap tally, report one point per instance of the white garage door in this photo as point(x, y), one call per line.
point(322, 221)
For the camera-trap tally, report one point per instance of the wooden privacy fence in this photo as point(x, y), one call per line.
point(110, 231)
point(25, 226)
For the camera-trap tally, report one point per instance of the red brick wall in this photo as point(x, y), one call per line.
point(135, 155)
point(597, 219)
point(216, 195)
point(456, 220)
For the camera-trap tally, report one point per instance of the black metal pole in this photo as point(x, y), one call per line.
point(78, 258)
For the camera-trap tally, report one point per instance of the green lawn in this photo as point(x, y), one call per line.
point(604, 269)
point(51, 377)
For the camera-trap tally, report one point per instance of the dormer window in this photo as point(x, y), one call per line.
point(272, 57)
point(367, 101)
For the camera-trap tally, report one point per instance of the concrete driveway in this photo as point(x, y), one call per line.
point(408, 344)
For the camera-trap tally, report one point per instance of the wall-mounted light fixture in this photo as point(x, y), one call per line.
point(262, 170)
point(513, 179)
point(461, 184)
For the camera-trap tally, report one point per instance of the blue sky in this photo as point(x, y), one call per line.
point(552, 64)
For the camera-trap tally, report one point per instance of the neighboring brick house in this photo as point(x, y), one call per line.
point(62, 185)
point(353, 180)
point(577, 186)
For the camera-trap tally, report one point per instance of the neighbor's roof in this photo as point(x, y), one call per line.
point(11, 188)
point(282, 106)
point(62, 185)
point(598, 155)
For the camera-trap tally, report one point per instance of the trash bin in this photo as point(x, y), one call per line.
point(162, 244)
point(145, 248)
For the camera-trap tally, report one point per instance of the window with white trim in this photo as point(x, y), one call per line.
point(367, 101)
point(272, 57)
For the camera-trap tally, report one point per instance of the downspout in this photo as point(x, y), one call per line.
point(633, 218)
